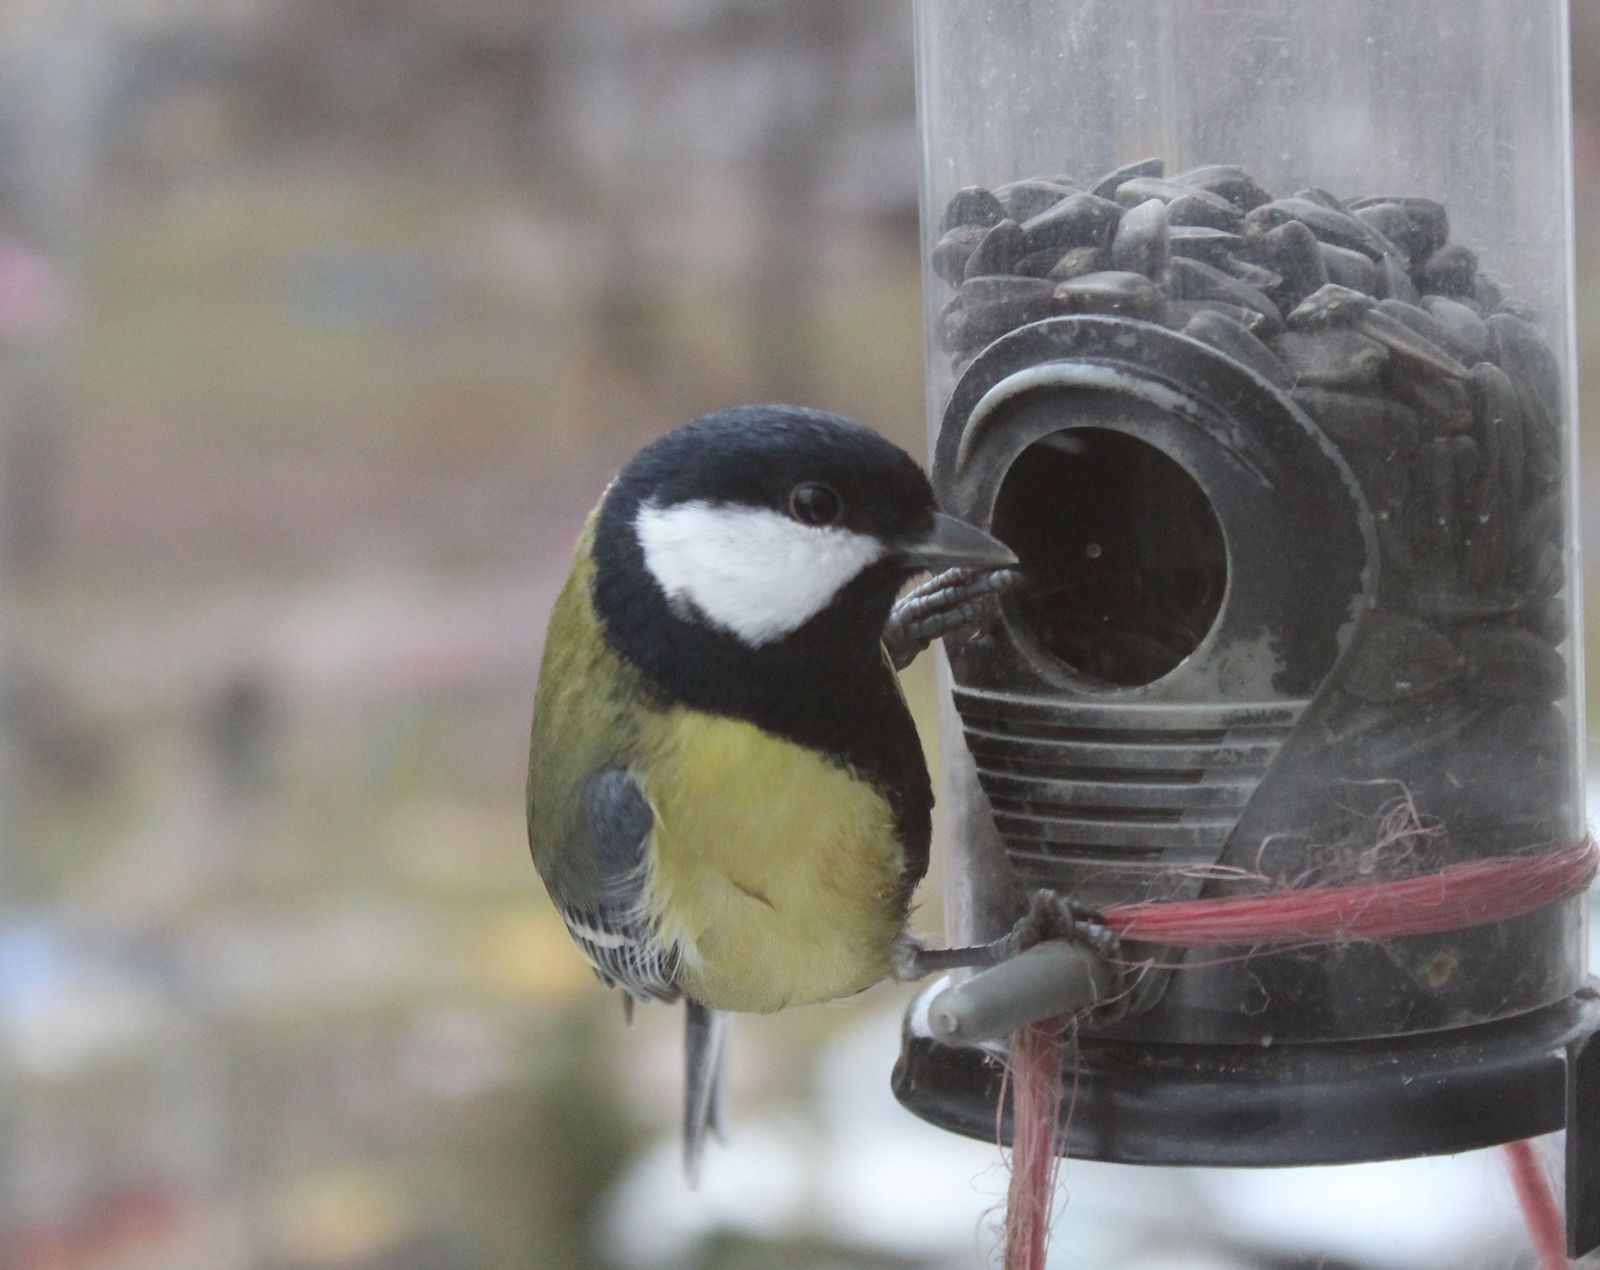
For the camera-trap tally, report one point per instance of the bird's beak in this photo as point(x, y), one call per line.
point(954, 544)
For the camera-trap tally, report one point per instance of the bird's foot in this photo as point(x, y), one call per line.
point(1054, 916)
point(948, 602)
point(1049, 916)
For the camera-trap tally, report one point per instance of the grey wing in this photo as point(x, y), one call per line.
point(610, 924)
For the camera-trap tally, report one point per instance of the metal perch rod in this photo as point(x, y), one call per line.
point(1053, 978)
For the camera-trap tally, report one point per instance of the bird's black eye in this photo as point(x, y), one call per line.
point(813, 504)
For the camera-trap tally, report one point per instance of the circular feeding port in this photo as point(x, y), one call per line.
point(1124, 560)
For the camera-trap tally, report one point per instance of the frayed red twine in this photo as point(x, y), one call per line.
point(1034, 1073)
point(1540, 1209)
point(1036, 1057)
point(1458, 896)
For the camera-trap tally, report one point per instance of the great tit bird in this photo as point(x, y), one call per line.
point(727, 798)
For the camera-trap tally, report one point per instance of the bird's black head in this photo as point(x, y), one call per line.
point(767, 538)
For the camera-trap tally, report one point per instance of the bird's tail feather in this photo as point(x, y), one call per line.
point(705, 1034)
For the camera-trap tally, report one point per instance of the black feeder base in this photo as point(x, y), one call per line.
point(1253, 1106)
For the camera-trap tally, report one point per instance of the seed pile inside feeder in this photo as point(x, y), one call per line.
point(1441, 395)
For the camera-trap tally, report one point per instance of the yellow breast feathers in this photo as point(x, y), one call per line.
point(774, 870)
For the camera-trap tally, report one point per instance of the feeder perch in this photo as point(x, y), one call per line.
point(1281, 425)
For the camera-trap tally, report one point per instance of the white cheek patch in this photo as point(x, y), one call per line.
point(749, 570)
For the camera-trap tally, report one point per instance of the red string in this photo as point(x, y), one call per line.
point(1035, 1055)
point(1540, 1210)
point(1472, 893)
point(1458, 896)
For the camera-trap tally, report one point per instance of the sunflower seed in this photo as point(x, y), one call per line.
point(1351, 269)
point(1262, 279)
point(1225, 181)
point(1200, 208)
point(1405, 343)
point(996, 305)
point(1202, 242)
point(998, 251)
point(1293, 250)
point(1025, 199)
point(1452, 270)
point(1465, 333)
point(1004, 288)
point(1337, 358)
point(1360, 419)
point(1449, 466)
point(1196, 280)
point(1549, 619)
point(1330, 305)
point(1396, 281)
point(1107, 186)
point(1429, 224)
point(973, 206)
point(1330, 226)
point(1077, 261)
point(1228, 336)
point(1037, 264)
point(1489, 294)
point(1527, 359)
point(1395, 223)
point(1079, 220)
point(1399, 658)
point(1489, 529)
point(1179, 313)
point(1445, 405)
point(1139, 189)
point(1512, 665)
point(1537, 533)
point(1417, 318)
point(951, 253)
point(1316, 194)
point(955, 329)
point(1140, 243)
point(1498, 426)
point(1488, 546)
point(1112, 291)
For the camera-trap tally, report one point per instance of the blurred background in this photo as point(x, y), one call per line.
point(321, 327)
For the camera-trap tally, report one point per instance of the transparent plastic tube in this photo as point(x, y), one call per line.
point(1249, 327)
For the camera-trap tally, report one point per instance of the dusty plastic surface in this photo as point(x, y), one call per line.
point(1281, 423)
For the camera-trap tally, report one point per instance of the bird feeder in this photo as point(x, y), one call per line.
point(1281, 425)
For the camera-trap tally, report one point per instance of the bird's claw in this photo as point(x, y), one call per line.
point(1054, 916)
point(1049, 916)
point(952, 601)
